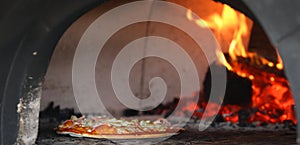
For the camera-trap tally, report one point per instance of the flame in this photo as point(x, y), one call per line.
point(279, 65)
point(271, 94)
point(223, 60)
point(237, 47)
point(229, 21)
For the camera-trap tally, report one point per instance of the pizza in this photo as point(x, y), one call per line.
point(112, 128)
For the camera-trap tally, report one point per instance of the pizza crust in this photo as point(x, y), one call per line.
point(111, 128)
point(120, 136)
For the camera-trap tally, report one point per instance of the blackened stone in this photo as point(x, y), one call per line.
point(53, 112)
point(289, 124)
point(158, 110)
point(219, 118)
point(244, 116)
point(263, 124)
point(130, 112)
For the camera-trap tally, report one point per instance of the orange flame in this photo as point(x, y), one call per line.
point(223, 60)
point(236, 47)
point(279, 65)
point(271, 93)
point(230, 23)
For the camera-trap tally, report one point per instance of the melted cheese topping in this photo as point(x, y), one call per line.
point(104, 125)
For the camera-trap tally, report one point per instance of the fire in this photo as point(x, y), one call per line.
point(279, 65)
point(271, 94)
point(229, 21)
point(223, 60)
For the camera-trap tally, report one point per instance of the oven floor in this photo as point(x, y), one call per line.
point(192, 136)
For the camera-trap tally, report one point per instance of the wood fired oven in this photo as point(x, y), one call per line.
point(35, 32)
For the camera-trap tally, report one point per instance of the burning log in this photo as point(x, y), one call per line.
point(238, 89)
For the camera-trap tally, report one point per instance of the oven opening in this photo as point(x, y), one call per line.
point(159, 61)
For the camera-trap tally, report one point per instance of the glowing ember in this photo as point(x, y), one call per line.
point(271, 98)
